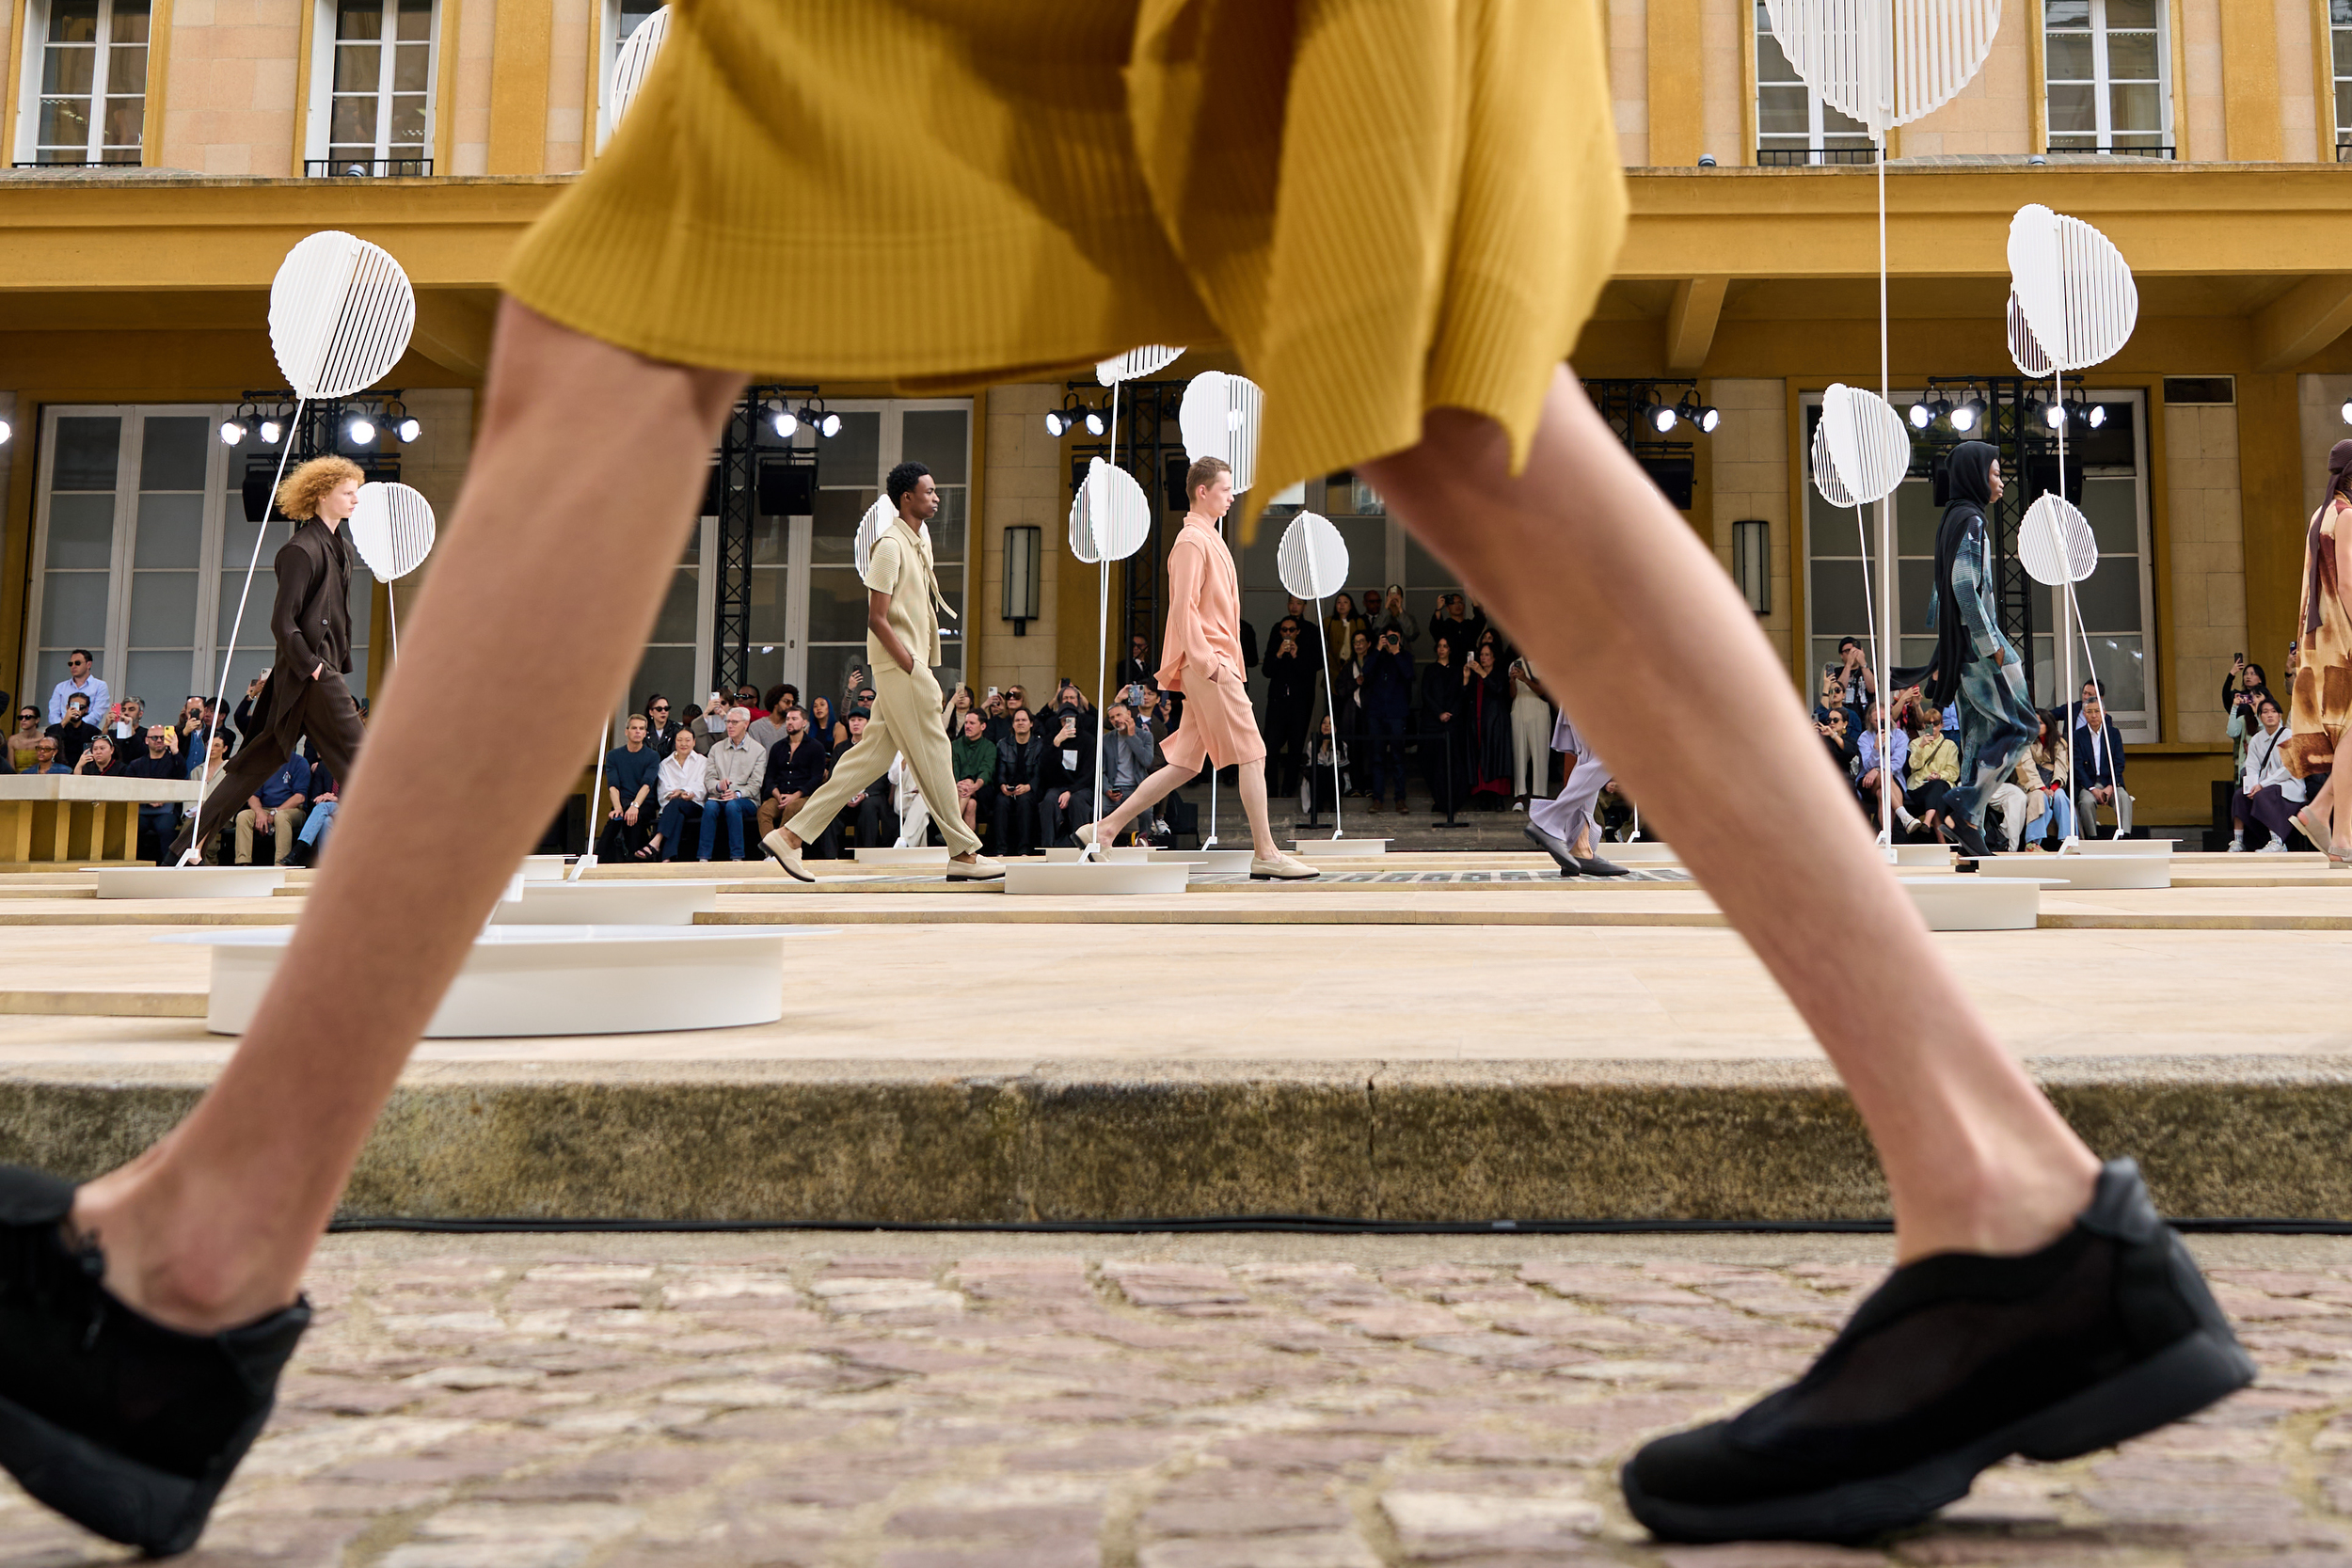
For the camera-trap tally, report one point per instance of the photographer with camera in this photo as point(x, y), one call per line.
point(1385, 690)
point(1289, 672)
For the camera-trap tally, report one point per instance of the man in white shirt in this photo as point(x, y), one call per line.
point(81, 681)
point(731, 776)
point(2266, 791)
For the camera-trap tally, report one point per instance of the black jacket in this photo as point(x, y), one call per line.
point(1060, 775)
point(1020, 764)
point(794, 770)
point(2107, 766)
point(1290, 677)
point(312, 616)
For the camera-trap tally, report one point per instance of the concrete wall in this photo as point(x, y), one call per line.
point(1628, 77)
point(1027, 484)
point(571, 113)
point(2206, 566)
point(1750, 450)
point(1996, 113)
point(228, 97)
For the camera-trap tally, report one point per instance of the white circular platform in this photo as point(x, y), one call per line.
point(1337, 849)
point(523, 981)
point(1978, 903)
point(187, 882)
point(2130, 848)
point(2096, 873)
point(918, 855)
point(644, 901)
point(1119, 878)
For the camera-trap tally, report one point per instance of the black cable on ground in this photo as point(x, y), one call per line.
point(1244, 1224)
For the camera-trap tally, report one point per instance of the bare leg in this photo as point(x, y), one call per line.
point(1583, 560)
point(551, 550)
point(1172, 777)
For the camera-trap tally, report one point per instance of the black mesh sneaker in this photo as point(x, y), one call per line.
point(1956, 1363)
point(126, 1427)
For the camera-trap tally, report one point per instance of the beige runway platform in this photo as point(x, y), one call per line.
point(1506, 1046)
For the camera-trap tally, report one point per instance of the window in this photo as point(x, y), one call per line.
point(92, 104)
point(2340, 39)
point(379, 101)
point(1793, 124)
point(139, 554)
point(621, 17)
point(2107, 64)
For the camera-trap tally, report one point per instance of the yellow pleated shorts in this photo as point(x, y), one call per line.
point(1382, 206)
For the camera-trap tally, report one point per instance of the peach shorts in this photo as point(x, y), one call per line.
point(1217, 722)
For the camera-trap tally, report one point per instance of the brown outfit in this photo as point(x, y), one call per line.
point(310, 621)
point(2323, 674)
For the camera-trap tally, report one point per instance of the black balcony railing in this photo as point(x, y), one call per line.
point(367, 168)
point(2343, 151)
point(125, 157)
point(2153, 152)
point(1800, 157)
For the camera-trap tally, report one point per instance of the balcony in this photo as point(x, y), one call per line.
point(2147, 151)
point(367, 168)
point(1802, 157)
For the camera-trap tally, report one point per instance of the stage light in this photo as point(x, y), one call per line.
point(1710, 416)
point(1922, 412)
point(1699, 415)
point(410, 430)
point(2346, 411)
point(1658, 415)
point(2054, 415)
point(7, 430)
point(362, 430)
point(271, 431)
point(1057, 424)
point(230, 433)
point(786, 423)
point(1964, 416)
point(2098, 415)
point(1095, 423)
point(829, 426)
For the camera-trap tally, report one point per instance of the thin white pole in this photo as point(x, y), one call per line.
point(204, 786)
point(1102, 651)
point(1332, 695)
point(391, 610)
point(2068, 618)
point(596, 803)
point(1884, 633)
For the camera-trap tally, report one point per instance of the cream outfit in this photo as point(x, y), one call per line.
point(907, 703)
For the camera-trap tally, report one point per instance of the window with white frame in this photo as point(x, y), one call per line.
point(87, 69)
point(620, 19)
point(2108, 69)
point(1793, 124)
point(2340, 41)
point(377, 103)
point(140, 546)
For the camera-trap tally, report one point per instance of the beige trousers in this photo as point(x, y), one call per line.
point(907, 721)
point(285, 824)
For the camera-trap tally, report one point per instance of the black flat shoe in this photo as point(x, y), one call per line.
point(1550, 845)
point(126, 1427)
point(1593, 866)
point(1956, 1363)
point(1968, 838)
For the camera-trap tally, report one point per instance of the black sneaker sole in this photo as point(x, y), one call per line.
point(2179, 1381)
point(101, 1491)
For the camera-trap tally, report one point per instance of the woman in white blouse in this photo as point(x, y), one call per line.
point(681, 794)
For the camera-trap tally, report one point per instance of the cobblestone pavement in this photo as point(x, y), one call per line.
point(1234, 1401)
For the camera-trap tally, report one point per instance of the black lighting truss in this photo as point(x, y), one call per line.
point(1152, 449)
point(322, 431)
point(749, 446)
point(1671, 466)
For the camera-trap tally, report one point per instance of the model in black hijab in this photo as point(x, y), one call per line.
point(1972, 662)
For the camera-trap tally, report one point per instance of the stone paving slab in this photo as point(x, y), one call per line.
point(893, 1400)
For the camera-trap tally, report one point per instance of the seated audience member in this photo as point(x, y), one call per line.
point(324, 799)
point(128, 723)
point(1019, 769)
point(660, 726)
point(996, 718)
point(733, 768)
point(681, 786)
point(1126, 756)
point(1830, 724)
point(1069, 784)
point(275, 808)
point(74, 732)
point(98, 759)
point(796, 766)
point(1872, 774)
point(207, 775)
point(632, 778)
point(2266, 791)
point(747, 698)
point(2050, 812)
point(1832, 697)
point(45, 757)
point(1934, 769)
point(906, 799)
point(159, 820)
point(26, 739)
point(820, 725)
point(2099, 770)
point(974, 758)
point(872, 815)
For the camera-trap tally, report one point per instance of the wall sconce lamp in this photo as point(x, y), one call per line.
point(1751, 561)
point(1023, 563)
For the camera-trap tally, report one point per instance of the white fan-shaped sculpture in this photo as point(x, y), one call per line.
point(1111, 516)
point(2024, 349)
point(638, 52)
point(2054, 542)
point(392, 530)
point(1312, 557)
point(2073, 287)
point(1136, 363)
point(870, 528)
point(340, 312)
point(1862, 447)
point(1219, 418)
point(1886, 62)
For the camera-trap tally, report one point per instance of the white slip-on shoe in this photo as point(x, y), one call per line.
point(980, 868)
point(776, 845)
point(1281, 868)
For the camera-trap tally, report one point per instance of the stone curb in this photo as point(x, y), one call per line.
point(900, 1143)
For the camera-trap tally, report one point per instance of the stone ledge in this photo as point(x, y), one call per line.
point(890, 1142)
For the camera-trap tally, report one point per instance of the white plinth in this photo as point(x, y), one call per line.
point(544, 868)
point(1978, 903)
point(1918, 854)
point(187, 882)
point(921, 854)
point(1117, 854)
point(2122, 847)
point(646, 902)
point(536, 980)
point(1647, 851)
point(1337, 849)
point(2092, 868)
point(1211, 862)
point(1115, 878)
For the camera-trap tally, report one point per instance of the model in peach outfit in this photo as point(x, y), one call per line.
point(1201, 658)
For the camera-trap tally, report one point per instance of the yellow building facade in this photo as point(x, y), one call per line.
point(165, 154)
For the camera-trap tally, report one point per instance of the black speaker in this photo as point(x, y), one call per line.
point(1172, 473)
point(1673, 474)
point(260, 476)
point(787, 489)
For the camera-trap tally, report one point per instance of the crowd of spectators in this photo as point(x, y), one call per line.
point(88, 732)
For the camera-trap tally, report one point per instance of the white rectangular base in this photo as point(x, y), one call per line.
point(921, 854)
point(637, 902)
point(1919, 854)
point(1337, 849)
point(1023, 876)
point(2122, 847)
point(187, 882)
point(1647, 851)
point(1977, 903)
point(1119, 854)
point(544, 868)
point(2112, 871)
point(539, 980)
point(1210, 862)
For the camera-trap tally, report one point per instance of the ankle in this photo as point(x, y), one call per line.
point(167, 1263)
point(2014, 1203)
